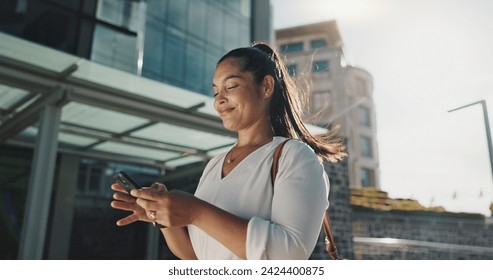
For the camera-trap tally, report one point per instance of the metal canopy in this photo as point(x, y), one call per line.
point(118, 115)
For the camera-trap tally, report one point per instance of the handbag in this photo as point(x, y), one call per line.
point(330, 245)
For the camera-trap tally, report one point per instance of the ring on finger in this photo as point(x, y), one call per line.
point(152, 215)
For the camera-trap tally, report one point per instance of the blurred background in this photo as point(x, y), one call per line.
point(91, 87)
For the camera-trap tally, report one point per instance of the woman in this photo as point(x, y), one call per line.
point(236, 213)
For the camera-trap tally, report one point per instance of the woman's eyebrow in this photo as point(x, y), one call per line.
point(227, 78)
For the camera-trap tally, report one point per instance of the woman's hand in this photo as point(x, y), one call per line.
point(170, 209)
point(124, 201)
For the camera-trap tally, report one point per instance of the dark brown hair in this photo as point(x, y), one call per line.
point(286, 105)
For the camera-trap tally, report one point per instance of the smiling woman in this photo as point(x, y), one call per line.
point(237, 99)
point(236, 212)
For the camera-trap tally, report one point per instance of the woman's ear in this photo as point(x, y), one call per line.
point(267, 86)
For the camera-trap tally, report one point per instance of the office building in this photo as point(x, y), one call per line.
point(341, 94)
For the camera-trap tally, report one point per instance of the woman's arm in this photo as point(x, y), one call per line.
point(179, 243)
point(299, 201)
point(176, 209)
point(228, 229)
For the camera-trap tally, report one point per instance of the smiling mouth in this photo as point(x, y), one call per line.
point(226, 111)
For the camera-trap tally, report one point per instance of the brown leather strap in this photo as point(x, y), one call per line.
point(275, 162)
point(329, 238)
point(330, 245)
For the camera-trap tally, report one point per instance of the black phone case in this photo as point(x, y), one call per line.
point(124, 180)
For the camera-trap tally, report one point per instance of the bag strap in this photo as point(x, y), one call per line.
point(275, 162)
point(330, 245)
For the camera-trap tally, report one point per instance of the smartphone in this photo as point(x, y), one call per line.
point(124, 180)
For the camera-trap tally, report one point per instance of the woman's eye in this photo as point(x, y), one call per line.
point(232, 87)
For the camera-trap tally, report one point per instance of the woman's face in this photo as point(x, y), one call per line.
point(238, 100)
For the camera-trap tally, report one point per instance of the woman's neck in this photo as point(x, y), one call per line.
point(254, 136)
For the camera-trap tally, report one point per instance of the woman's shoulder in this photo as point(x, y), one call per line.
point(295, 146)
point(295, 150)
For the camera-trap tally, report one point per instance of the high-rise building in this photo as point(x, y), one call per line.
point(341, 94)
point(89, 87)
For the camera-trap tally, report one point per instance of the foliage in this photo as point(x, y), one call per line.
point(380, 200)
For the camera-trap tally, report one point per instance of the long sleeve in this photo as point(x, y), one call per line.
point(299, 199)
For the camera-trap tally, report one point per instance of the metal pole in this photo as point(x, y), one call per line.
point(35, 221)
point(487, 127)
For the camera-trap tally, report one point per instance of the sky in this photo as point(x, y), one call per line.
point(426, 57)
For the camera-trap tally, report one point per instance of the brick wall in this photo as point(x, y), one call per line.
point(421, 235)
point(340, 213)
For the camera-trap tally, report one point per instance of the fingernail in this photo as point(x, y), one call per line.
point(133, 192)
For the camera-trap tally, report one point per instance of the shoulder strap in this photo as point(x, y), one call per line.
point(275, 162)
point(330, 245)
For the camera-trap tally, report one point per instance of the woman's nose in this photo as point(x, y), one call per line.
point(220, 97)
point(219, 100)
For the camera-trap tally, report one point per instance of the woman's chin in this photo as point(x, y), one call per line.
point(230, 125)
point(231, 128)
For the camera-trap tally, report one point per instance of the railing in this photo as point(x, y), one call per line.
point(395, 242)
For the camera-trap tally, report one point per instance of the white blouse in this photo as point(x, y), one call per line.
point(284, 221)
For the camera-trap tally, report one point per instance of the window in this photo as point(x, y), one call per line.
point(127, 14)
point(189, 37)
point(112, 11)
point(215, 26)
point(174, 56)
point(292, 69)
point(293, 47)
point(197, 17)
point(153, 55)
point(364, 116)
point(231, 32)
point(320, 66)
point(194, 66)
point(318, 44)
point(115, 49)
point(177, 13)
point(367, 177)
point(366, 149)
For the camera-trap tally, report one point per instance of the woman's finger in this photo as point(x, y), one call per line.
point(147, 194)
point(159, 187)
point(127, 220)
point(148, 205)
point(117, 187)
point(124, 197)
point(122, 205)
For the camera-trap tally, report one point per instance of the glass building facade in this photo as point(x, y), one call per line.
point(173, 41)
point(184, 39)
